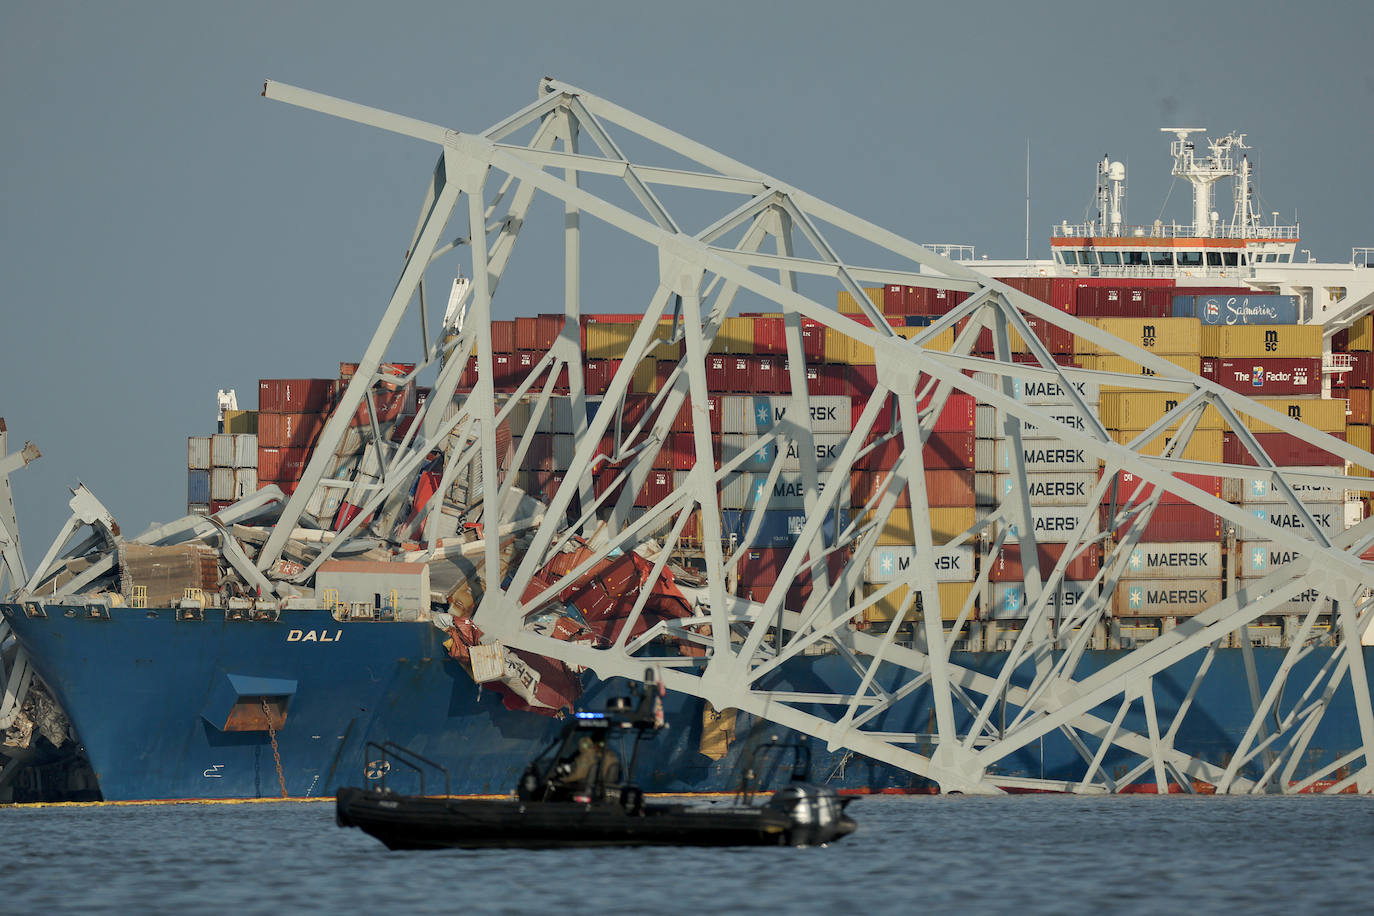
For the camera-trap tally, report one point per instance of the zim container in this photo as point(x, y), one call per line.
point(1263, 376)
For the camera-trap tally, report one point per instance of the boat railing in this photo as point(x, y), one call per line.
point(1362, 257)
point(390, 750)
point(751, 778)
point(1172, 231)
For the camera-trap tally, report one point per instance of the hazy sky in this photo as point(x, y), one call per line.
point(166, 232)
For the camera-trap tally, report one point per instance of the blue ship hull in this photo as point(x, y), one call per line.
point(148, 696)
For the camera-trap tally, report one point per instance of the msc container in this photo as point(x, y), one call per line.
point(198, 486)
point(1140, 409)
point(953, 596)
point(896, 561)
point(1055, 524)
point(1203, 444)
point(295, 395)
point(1173, 523)
point(1233, 309)
point(1176, 559)
point(1161, 335)
point(778, 527)
point(943, 487)
point(1006, 565)
point(1329, 517)
point(221, 484)
point(1283, 449)
point(1260, 375)
point(1071, 488)
point(1279, 340)
point(946, 523)
point(1188, 362)
point(1165, 597)
point(1009, 600)
point(1326, 415)
point(1039, 455)
point(289, 430)
point(198, 457)
point(241, 421)
point(991, 422)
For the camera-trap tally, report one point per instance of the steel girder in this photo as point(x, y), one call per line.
point(1043, 685)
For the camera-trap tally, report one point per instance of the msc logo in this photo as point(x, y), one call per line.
point(1295, 411)
point(1271, 341)
point(1147, 335)
point(1169, 404)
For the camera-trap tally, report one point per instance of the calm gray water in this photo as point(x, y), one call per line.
point(1024, 854)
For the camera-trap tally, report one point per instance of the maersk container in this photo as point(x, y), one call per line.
point(1233, 309)
point(1006, 565)
point(1173, 523)
point(198, 457)
point(747, 491)
point(1265, 376)
point(778, 528)
point(754, 415)
point(1329, 517)
point(1259, 557)
point(896, 561)
point(827, 449)
point(991, 422)
point(198, 486)
point(826, 445)
point(1257, 490)
point(1279, 340)
point(1072, 488)
point(1302, 602)
point(1165, 597)
point(1009, 600)
point(1042, 392)
point(1283, 450)
point(1055, 524)
point(1038, 455)
point(1177, 559)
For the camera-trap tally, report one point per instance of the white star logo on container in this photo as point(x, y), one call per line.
point(1006, 487)
point(758, 491)
point(885, 561)
point(1013, 599)
point(763, 413)
point(1259, 486)
point(1261, 514)
point(1137, 559)
point(1137, 597)
point(1258, 558)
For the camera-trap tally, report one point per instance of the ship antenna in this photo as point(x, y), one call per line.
point(1028, 198)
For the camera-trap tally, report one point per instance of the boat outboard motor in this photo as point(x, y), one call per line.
point(816, 812)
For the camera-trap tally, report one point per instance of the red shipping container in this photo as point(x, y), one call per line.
point(716, 379)
point(503, 337)
point(813, 340)
point(1063, 294)
point(940, 301)
point(770, 337)
point(943, 451)
point(1280, 376)
point(289, 430)
point(662, 372)
point(944, 488)
point(503, 371)
point(1041, 288)
point(1006, 565)
point(526, 333)
point(739, 375)
point(758, 568)
point(657, 487)
point(771, 375)
point(860, 381)
point(597, 374)
point(1358, 410)
point(1174, 523)
point(958, 414)
point(278, 464)
point(1340, 341)
point(1284, 450)
point(1130, 487)
point(683, 422)
point(1361, 374)
point(826, 378)
point(539, 456)
point(295, 395)
point(684, 451)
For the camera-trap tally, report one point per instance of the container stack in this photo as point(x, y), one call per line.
point(1353, 348)
point(291, 415)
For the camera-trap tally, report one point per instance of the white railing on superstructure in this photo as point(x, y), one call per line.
point(953, 252)
point(1362, 257)
point(1173, 231)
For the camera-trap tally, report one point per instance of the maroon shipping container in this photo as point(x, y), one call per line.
point(278, 464)
point(683, 422)
point(526, 334)
point(597, 374)
point(943, 451)
point(827, 378)
point(683, 451)
point(813, 340)
point(539, 456)
point(663, 370)
point(1174, 523)
point(770, 337)
point(715, 372)
point(1041, 288)
point(503, 375)
point(740, 376)
point(958, 415)
point(1283, 449)
point(770, 375)
point(503, 337)
point(944, 488)
point(1361, 374)
point(289, 430)
point(1340, 341)
point(1278, 376)
point(295, 395)
point(940, 301)
point(894, 299)
point(1123, 302)
point(1063, 295)
point(860, 381)
point(1006, 565)
point(1130, 487)
point(1358, 409)
point(758, 568)
point(657, 488)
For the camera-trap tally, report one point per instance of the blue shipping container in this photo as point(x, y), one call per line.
point(1227, 308)
point(197, 486)
point(779, 527)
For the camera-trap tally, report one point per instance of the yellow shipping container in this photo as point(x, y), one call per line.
point(1188, 362)
point(1360, 437)
point(1159, 335)
point(1282, 340)
point(241, 421)
point(1362, 335)
point(736, 336)
point(645, 379)
point(665, 350)
point(1319, 413)
point(946, 523)
point(860, 353)
point(1139, 409)
point(609, 339)
point(952, 598)
point(848, 305)
point(1204, 445)
point(836, 346)
point(943, 341)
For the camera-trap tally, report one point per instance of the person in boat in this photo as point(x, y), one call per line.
point(595, 768)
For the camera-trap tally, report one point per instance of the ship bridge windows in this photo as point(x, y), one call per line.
point(1283, 257)
point(1088, 258)
point(1069, 257)
point(1162, 259)
point(1137, 258)
point(1214, 259)
point(1230, 258)
point(1190, 259)
point(1110, 258)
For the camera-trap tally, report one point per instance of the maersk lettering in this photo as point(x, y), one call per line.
point(1177, 596)
point(1055, 523)
point(1176, 558)
point(1054, 455)
point(1047, 488)
point(948, 562)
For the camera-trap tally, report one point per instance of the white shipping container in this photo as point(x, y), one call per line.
point(1258, 490)
point(234, 450)
point(827, 446)
point(1300, 603)
point(951, 564)
point(1328, 516)
point(758, 414)
point(1073, 488)
point(222, 450)
point(746, 491)
point(1009, 600)
point(1039, 455)
point(222, 484)
point(198, 453)
point(197, 508)
point(1165, 597)
point(1056, 524)
point(1180, 560)
point(990, 422)
point(245, 450)
point(245, 482)
point(1036, 392)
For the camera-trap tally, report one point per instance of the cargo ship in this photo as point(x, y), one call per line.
point(328, 590)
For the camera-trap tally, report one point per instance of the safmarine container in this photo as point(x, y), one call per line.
point(1176, 559)
point(1038, 455)
point(1233, 309)
point(1165, 597)
point(1009, 601)
point(1329, 517)
point(1071, 488)
point(1278, 340)
point(896, 561)
point(1265, 375)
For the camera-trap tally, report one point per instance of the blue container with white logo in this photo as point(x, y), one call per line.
point(1237, 308)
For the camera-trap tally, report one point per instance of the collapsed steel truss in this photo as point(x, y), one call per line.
point(1041, 687)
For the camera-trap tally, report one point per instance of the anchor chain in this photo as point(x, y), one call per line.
point(276, 753)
